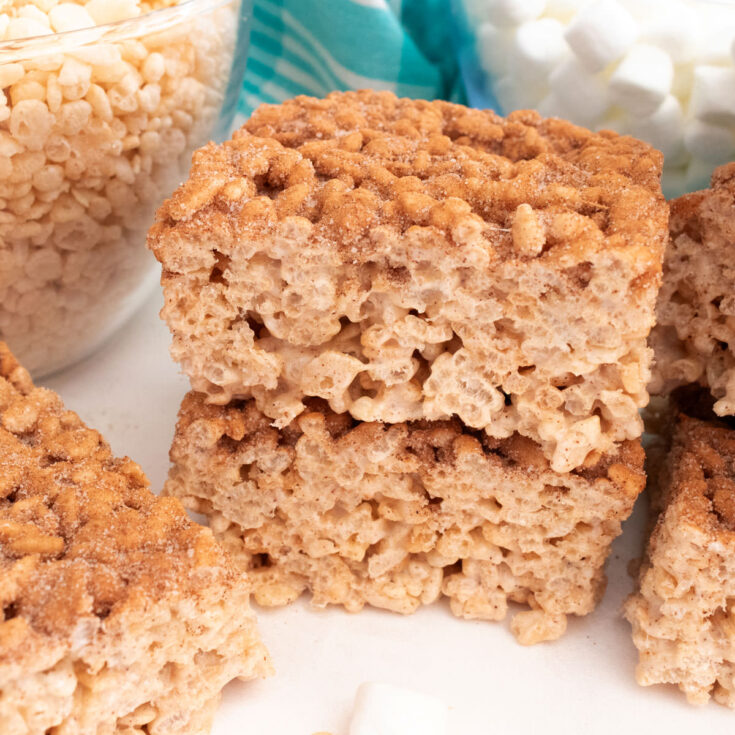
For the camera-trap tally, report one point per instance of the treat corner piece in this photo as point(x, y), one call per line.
point(681, 612)
point(408, 260)
point(118, 613)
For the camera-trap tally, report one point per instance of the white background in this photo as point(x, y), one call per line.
point(583, 683)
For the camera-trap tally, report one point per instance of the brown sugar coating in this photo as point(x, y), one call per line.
point(396, 515)
point(694, 339)
point(89, 559)
point(410, 260)
point(83, 525)
point(682, 613)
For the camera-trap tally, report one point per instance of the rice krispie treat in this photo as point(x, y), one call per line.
point(682, 612)
point(694, 338)
point(408, 260)
point(395, 515)
point(117, 613)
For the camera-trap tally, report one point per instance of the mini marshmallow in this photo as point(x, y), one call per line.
point(564, 10)
point(710, 142)
point(664, 129)
point(676, 30)
point(382, 709)
point(601, 34)
point(513, 12)
point(493, 46)
point(69, 17)
point(583, 97)
point(642, 80)
point(538, 47)
point(515, 95)
point(713, 95)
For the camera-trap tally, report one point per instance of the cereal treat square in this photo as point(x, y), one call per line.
point(394, 515)
point(694, 338)
point(409, 260)
point(683, 612)
point(118, 615)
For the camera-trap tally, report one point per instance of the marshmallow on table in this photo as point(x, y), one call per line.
point(713, 95)
point(712, 143)
point(513, 12)
point(537, 48)
point(382, 709)
point(582, 96)
point(664, 129)
point(642, 80)
point(601, 33)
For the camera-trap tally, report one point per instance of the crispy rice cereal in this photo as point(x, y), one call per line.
point(694, 338)
point(95, 130)
point(406, 259)
point(394, 515)
point(683, 613)
point(118, 615)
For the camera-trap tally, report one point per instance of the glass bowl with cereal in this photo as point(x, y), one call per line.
point(101, 106)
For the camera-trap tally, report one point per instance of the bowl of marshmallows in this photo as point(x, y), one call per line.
point(101, 105)
point(660, 70)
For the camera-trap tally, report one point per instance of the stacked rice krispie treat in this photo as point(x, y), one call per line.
point(118, 615)
point(682, 611)
point(416, 335)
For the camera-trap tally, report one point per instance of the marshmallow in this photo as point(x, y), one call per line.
point(718, 22)
point(382, 709)
point(538, 47)
point(713, 95)
point(642, 80)
point(515, 95)
point(601, 34)
point(676, 30)
point(664, 129)
point(583, 97)
point(513, 12)
point(710, 142)
point(564, 10)
point(493, 47)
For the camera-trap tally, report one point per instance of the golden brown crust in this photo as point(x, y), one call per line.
point(358, 161)
point(81, 535)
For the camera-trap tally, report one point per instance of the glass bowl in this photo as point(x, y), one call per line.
point(660, 70)
point(97, 127)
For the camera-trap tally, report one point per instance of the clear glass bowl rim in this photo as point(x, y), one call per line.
point(119, 30)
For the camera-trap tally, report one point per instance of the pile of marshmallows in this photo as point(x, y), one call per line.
point(661, 70)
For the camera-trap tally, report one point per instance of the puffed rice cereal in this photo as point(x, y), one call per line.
point(96, 128)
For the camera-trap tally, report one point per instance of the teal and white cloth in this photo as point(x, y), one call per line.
point(316, 46)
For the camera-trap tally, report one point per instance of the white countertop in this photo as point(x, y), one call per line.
point(130, 390)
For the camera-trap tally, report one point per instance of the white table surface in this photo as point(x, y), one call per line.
point(130, 390)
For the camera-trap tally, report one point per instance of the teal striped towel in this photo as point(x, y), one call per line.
point(316, 46)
